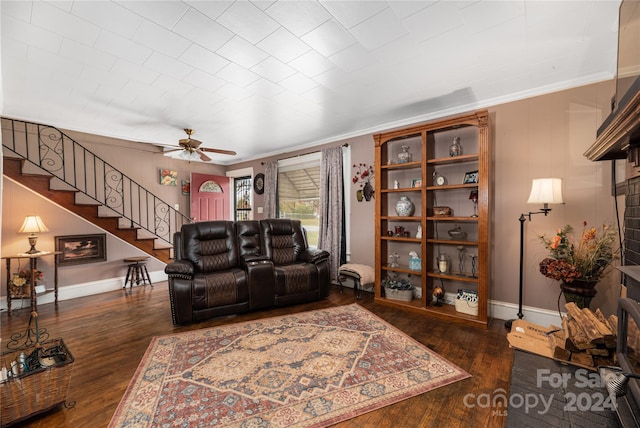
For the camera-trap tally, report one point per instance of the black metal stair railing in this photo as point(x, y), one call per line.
point(61, 156)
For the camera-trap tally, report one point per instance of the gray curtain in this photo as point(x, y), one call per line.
point(271, 189)
point(331, 233)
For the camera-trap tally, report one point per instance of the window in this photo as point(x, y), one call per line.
point(240, 181)
point(242, 199)
point(299, 192)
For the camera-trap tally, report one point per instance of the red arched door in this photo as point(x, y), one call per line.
point(210, 197)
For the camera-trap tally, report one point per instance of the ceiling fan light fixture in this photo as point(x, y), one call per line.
point(184, 155)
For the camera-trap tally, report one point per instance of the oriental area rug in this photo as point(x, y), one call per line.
point(309, 369)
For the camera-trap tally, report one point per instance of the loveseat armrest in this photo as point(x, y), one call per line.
point(180, 276)
point(179, 267)
point(261, 281)
point(315, 255)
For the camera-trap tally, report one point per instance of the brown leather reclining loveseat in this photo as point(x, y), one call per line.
point(224, 267)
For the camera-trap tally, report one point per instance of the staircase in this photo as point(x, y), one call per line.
point(50, 163)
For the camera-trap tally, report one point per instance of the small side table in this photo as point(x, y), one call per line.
point(137, 271)
point(33, 265)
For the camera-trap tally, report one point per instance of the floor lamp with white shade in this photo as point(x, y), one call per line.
point(544, 191)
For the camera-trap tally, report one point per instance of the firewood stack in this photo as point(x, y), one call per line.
point(586, 338)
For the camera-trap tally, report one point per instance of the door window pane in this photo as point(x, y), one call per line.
point(242, 202)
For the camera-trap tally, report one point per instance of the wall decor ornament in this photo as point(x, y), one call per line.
point(404, 207)
point(258, 184)
point(363, 177)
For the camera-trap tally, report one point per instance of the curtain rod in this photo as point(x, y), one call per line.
point(304, 154)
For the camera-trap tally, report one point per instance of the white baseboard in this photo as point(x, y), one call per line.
point(508, 311)
point(504, 310)
point(497, 309)
point(79, 290)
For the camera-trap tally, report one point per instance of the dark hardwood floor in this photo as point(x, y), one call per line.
point(109, 333)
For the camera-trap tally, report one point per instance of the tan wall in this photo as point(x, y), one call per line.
point(538, 137)
point(546, 136)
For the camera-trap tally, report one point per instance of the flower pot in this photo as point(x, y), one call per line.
point(579, 292)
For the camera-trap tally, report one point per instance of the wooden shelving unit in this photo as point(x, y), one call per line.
point(429, 146)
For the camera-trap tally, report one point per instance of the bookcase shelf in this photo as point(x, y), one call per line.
point(467, 172)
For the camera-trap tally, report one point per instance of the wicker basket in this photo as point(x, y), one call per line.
point(393, 294)
point(36, 391)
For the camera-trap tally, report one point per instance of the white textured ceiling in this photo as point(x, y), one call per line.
point(262, 77)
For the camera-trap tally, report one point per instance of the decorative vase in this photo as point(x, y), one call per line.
point(367, 191)
point(579, 292)
point(404, 156)
point(455, 149)
point(404, 207)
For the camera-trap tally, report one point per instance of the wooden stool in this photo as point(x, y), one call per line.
point(360, 274)
point(137, 270)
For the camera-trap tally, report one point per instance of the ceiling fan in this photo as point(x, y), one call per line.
point(190, 149)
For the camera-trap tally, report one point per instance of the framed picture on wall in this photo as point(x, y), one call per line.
point(80, 249)
point(186, 187)
point(168, 177)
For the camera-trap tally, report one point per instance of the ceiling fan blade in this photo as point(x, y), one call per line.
point(203, 157)
point(169, 151)
point(220, 151)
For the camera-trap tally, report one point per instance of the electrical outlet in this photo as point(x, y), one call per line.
point(177, 207)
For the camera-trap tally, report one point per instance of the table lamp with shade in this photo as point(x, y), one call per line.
point(544, 191)
point(33, 224)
